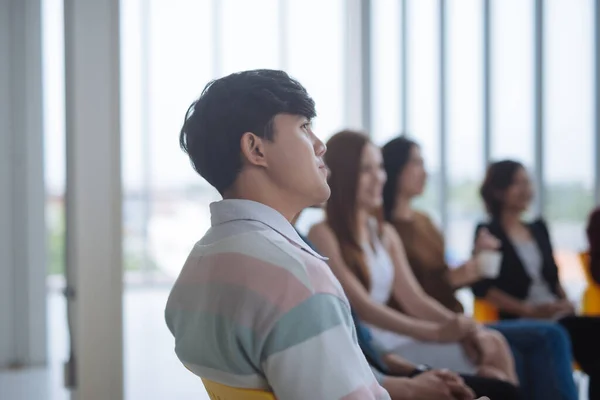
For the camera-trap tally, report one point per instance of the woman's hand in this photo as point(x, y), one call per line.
point(453, 330)
point(551, 310)
point(433, 385)
point(466, 274)
point(486, 241)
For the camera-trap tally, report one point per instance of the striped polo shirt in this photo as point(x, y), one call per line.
point(255, 307)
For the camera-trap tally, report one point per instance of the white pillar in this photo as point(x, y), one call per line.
point(94, 257)
point(358, 64)
point(22, 194)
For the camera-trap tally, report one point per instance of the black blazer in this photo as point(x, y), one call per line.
point(513, 278)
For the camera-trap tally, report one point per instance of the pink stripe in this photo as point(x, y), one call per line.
point(271, 282)
point(321, 277)
point(365, 393)
point(380, 392)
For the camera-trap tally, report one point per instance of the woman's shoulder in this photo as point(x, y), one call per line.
point(390, 237)
point(322, 233)
point(388, 230)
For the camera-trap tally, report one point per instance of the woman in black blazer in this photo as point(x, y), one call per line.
point(528, 285)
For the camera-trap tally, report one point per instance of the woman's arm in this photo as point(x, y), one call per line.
point(368, 310)
point(469, 273)
point(464, 275)
point(407, 289)
point(510, 304)
point(507, 303)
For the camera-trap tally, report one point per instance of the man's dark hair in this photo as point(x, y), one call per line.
point(231, 106)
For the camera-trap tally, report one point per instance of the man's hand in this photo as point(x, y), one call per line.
point(457, 386)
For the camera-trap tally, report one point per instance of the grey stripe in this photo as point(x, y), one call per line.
point(312, 317)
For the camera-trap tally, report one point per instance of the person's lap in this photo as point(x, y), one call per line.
point(437, 355)
point(584, 332)
point(543, 357)
point(492, 388)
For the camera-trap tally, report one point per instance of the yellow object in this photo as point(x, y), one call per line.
point(484, 312)
point(217, 391)
point(591, 296)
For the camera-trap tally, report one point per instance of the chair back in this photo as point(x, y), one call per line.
point(484, 312)
point(590, 303)
point(217, 391)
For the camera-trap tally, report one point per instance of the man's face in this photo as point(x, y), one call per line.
point(295, 160)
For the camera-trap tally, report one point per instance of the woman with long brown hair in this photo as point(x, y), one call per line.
point(368, 258)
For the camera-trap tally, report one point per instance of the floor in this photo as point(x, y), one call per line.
point(152, 372)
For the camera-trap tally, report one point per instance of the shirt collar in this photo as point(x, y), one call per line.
point(247, 210)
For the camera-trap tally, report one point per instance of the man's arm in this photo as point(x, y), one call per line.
point(311, 352)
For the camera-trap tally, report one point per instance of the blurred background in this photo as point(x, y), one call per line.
point(470, 80)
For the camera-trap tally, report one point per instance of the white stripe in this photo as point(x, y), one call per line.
point(329, 367)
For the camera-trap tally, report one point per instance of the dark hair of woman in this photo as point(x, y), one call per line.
point(500, 176)
point(396, 155)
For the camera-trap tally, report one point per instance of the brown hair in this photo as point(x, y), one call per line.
point(499, 176)
point(343, 158)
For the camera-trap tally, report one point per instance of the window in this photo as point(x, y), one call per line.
point(164, 67)
point(249, 34)
point(512, 80)
point(423, 92)
point(465, 125)
point(315, 56)
point(169, 52)
point(569, 127)
point(54, 131)
point(386, 70)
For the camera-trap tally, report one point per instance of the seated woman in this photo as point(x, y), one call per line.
point(528, 285)
point(593, 234)
point(405, 380)
point(368, 258)
point(541, 349)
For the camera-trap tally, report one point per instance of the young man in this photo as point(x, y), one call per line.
point(254, 306)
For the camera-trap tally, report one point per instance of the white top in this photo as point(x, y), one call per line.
point(531, 257)
point(381, 269)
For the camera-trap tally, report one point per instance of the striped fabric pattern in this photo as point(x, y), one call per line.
point(254, 307)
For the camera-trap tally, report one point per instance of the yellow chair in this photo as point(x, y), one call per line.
point(591, 296)
point(484, 312)
point(217, 391)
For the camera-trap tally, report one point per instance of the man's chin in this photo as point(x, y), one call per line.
point(322, 197)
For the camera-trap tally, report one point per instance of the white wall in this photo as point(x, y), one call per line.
point(93, 207)
point(22, 226)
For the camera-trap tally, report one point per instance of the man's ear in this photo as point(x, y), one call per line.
point(253, 149)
